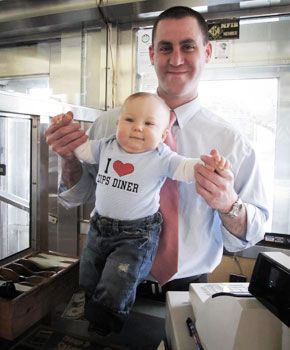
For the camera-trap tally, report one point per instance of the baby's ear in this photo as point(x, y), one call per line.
point(164, 134)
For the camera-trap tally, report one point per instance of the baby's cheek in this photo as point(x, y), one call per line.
point(120, 135)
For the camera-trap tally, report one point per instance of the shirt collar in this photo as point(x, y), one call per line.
point(185, 112)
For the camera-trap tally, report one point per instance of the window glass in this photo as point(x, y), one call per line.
point(15, 155)
point(15, 158)
point(250, 105)
point(34, 86)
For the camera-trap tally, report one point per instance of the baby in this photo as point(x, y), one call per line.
point(125, 224)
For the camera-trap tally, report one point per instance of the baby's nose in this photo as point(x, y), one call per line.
point(138, 127)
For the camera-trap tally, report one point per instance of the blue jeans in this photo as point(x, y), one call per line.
point(118, 256)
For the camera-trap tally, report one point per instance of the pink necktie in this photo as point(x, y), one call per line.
point(166, 261)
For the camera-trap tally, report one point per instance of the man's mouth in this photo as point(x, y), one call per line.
point(176, 72)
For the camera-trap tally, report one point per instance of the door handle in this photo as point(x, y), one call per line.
point(2, 169)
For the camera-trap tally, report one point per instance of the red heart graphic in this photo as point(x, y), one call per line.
point(123, 169)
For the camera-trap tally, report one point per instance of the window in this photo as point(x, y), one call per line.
point(37, 86)
point(250, 105)
point(15, 156)
point(15, 188)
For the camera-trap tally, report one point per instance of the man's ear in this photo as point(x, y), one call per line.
point(151, 54)
point(208, 52)
point(164, 134)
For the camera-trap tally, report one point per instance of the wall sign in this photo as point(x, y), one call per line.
point(224, 29)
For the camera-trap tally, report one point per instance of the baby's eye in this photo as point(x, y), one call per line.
point(128, 119)
point(149, 123)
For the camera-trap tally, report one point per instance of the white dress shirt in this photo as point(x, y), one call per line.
point(201, 233)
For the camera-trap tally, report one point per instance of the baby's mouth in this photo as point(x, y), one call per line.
point(137, 138)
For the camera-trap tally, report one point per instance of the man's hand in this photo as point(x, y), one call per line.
point(64, 136)
point(216, 187)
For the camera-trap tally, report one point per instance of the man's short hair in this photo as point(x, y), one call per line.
point(178, 12)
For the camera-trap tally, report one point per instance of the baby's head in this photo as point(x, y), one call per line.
point(143, 122)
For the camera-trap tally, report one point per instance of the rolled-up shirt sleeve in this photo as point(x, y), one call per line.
point(84, 190)
point(80, 193)
point(250, 188)
point(256, 219)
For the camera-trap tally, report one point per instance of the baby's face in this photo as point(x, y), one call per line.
point(142, 124)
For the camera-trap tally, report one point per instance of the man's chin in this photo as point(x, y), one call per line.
point(177, 87)
point(174, 86)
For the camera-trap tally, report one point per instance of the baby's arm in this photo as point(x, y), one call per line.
point(84, 151)
point(185, 170)
point(213, 161)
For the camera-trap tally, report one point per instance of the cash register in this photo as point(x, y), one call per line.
point(234, 316)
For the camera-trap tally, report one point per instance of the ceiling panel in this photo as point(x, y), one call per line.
point(29, 20)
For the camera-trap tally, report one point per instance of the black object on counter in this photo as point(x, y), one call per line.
point(8, 290)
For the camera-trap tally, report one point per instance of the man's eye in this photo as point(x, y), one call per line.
point(188, 47)
point(165, 48)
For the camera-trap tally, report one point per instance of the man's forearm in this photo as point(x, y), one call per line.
point(71, 171)
point(236, 225)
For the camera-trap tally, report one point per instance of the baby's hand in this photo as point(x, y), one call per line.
point(214, 161)
point(220, 162)
point(67, 117)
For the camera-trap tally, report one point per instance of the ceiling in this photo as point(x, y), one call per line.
point(31, 20)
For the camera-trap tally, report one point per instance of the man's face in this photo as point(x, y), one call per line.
point(179, 56)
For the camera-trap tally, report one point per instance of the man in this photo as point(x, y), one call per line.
point(226, 209)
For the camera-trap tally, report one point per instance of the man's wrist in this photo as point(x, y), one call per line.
point(235, 209)
point(71, 171)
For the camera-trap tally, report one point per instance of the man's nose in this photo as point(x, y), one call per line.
point(176, 57)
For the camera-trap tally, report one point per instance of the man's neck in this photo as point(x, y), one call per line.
point(176, 101)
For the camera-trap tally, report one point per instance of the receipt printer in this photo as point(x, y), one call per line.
point(270, 283)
